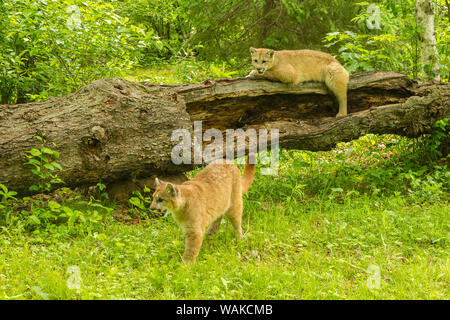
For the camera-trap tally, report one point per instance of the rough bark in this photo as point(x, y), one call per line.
point(428, 50)
point(115, 129)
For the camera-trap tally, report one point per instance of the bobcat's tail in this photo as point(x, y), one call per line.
point(249, 173)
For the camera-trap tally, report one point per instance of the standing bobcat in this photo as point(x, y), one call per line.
point(295, 66)
point(214, 192)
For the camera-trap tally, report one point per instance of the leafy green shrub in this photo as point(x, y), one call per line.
point(428, 188)
point(434, 145)
point(375, 166)
point(140, 204)
point(72, 215)
point(392, 46)
point(63, 211)
point(7, 197)
point(54, 47)
point(165, 24)
point(43, 166)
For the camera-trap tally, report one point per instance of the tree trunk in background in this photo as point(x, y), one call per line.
point(448, 8)
point(267, 21)
point(113, 130)
point(427, 39)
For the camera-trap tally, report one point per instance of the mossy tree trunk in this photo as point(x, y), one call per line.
point(427, 39)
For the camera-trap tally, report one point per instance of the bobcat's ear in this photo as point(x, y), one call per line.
point(171, 190)
point(157, 182)
point(270, 53)
point(252, 50)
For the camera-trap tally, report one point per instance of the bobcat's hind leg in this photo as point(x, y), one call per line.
point(234, 214)
point(214, 227)
point(336, 80)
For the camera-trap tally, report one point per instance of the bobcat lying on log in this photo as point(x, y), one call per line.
point(295, 66)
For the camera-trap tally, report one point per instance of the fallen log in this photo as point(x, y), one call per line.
point(113, 129)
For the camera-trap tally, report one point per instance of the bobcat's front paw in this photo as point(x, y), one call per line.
point(188, 259)
point(340, 115)
point(252, 74)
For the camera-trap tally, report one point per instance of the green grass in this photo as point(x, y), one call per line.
point(158, 74)
point(309, 233)
point(314, 250)
point(187, 70)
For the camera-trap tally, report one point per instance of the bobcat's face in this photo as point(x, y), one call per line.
point(165, 197)
point(262, 59)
